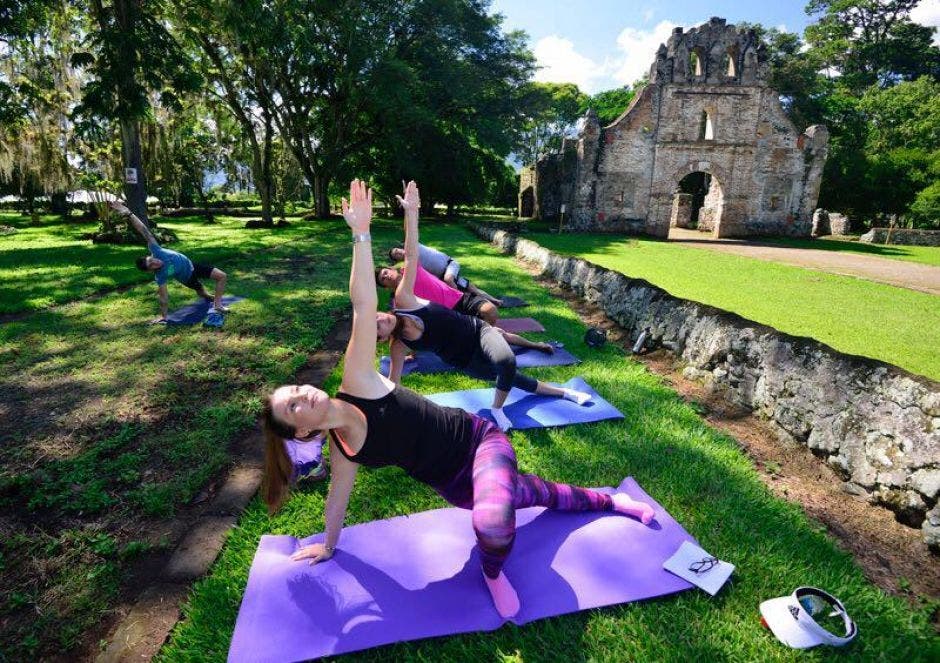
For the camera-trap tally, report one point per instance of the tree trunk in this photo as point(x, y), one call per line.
point(135, 193)
point(59, 203)
point(210, 217)
point(321, 198)
point(264, 177)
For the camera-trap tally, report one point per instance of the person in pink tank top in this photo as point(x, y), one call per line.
point(433, 289)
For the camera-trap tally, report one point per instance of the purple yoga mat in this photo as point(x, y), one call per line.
point(518, 325)
point(418, 576)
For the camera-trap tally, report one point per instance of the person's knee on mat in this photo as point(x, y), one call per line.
point(489, 313)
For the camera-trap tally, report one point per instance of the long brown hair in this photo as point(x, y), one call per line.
point(398, 328)
point(278, 468)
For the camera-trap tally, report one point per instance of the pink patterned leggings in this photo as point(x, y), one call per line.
point(490, 485)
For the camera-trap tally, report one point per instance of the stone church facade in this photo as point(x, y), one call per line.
point(705, 144)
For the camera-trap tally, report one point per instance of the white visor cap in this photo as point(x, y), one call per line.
point(788, 619)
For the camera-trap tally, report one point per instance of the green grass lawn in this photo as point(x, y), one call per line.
point(928, 255)
point(895, 325)
point(108, 424)
point(699, 475)
point(48, 264)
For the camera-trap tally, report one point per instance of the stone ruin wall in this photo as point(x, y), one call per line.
point(623, 177)
point(876, 424)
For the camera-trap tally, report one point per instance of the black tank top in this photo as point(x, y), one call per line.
point(452, 336)
point(430, 442)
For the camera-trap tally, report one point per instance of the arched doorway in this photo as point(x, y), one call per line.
point(698, 202)
point(527, 203)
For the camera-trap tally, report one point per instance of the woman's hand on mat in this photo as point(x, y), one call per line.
point(358, 209)
point(316, 552)
point(411, 200)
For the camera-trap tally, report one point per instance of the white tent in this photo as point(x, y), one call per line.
point(85, 196)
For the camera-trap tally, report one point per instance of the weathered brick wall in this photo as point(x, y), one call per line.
point(903, 236)
point(724, 121)
point(876, 424)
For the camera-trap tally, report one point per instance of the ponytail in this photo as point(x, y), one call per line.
point(278, 468)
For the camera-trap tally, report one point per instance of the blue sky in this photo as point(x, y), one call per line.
point(603, 44)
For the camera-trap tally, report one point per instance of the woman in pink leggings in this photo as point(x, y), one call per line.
point(374, 422)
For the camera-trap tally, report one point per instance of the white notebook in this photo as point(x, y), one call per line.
point(712, 574)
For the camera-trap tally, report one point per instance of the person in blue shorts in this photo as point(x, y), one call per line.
point(166, 264)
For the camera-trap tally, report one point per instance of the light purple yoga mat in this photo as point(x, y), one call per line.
point(518, 325)
point(428, 362)
point(527, 410)
point(419, 576)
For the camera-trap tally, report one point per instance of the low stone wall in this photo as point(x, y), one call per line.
point(902, 236)
point(878, 425)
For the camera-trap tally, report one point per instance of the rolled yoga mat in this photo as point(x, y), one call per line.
point(517, 325)
point(527, 410)
point(512, 302)
point(193, 314)
point(428, 362)
point(418, 576)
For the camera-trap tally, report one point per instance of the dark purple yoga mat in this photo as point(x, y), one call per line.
point(428, 362)
point(508, 301)
point(418, 576)
point(518, 325)
point(193, 314)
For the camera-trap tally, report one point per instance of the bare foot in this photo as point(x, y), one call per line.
point(504, 596)
point(501, 419)
point(625, 504)
point(547, 348)
point(575, 396)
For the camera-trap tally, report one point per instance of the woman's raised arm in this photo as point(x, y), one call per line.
point(411, 203)
point(360, 352)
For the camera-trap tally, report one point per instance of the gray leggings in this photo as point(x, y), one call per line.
point(494, 358)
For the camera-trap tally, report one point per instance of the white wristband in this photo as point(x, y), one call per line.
point(361, 237)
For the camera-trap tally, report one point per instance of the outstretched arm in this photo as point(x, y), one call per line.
point(397, 352)
point(359, 374)
point(342, 480)
point(411, 202)
point(164, 298)
point(132, 219)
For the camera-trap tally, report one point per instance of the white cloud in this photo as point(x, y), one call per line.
point(560, 63)
point(928, 13)
point(648, 14)
point(637, 50)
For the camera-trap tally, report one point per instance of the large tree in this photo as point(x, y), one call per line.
point(130, 55)
point(871, 42)
point(37, 90)
point(377, 85)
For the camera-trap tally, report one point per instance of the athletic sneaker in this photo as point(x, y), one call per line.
point(313, 471)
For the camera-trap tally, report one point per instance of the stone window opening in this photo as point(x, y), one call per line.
point(706, 128)
point(696, 66)
point(728, 63)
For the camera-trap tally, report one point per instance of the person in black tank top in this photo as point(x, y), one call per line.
point(374, 422)
point(465, 342)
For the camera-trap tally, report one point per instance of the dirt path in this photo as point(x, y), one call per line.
point(911, 275)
